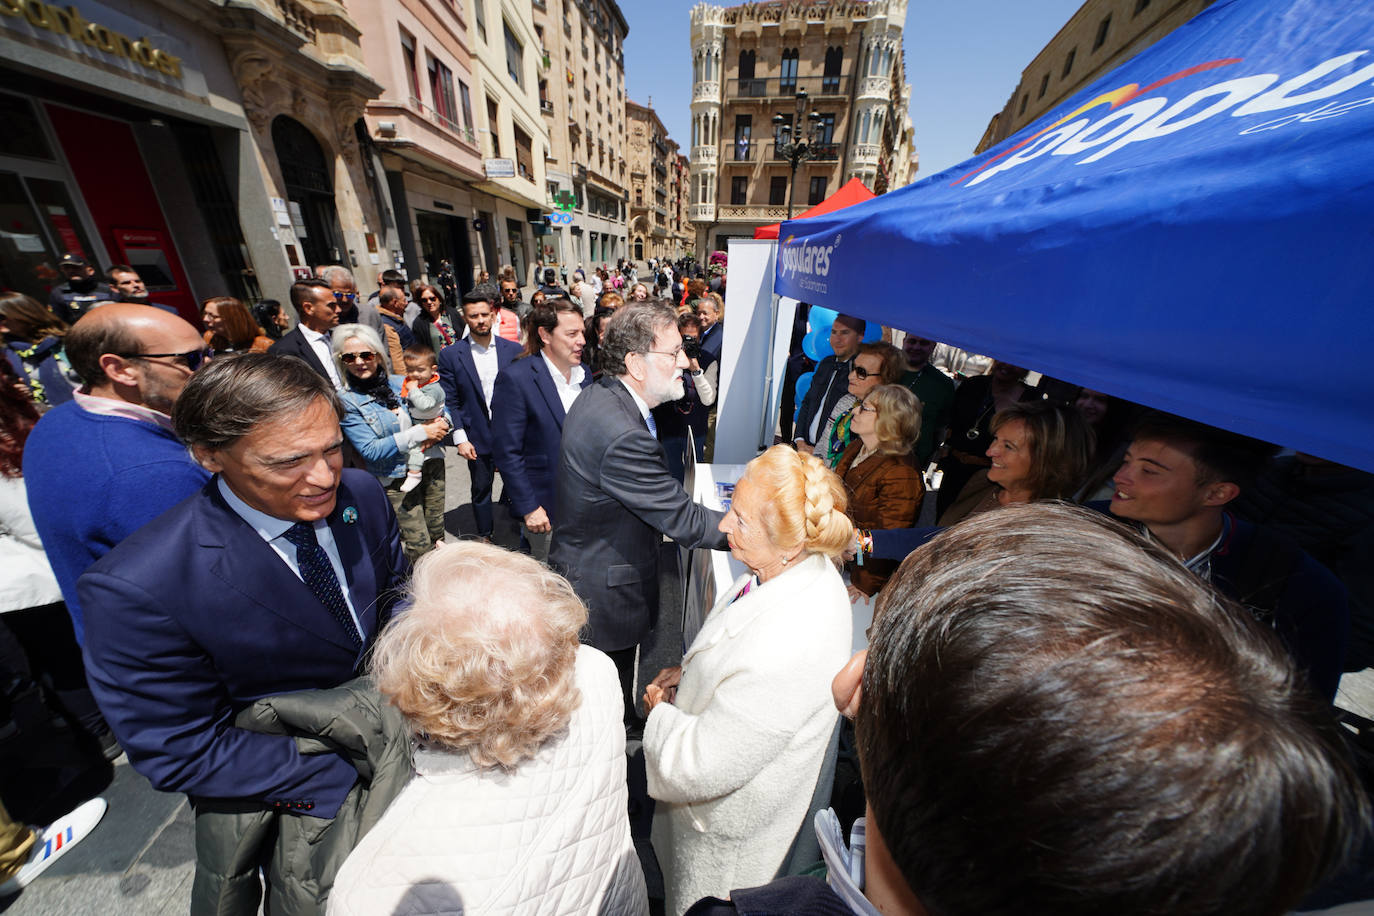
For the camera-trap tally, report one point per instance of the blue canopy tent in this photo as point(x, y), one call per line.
point(1194, 232)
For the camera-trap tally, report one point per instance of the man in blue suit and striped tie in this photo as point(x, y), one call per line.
point(275, 578)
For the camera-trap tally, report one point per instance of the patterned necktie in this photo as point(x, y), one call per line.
point(318, 574)
point(653, 427)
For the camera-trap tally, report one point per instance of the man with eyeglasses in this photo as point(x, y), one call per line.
point(101, 466)
point(317, 307)
point(614, 493)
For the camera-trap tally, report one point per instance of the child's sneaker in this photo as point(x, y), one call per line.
point(61, 835)
point(411, 482)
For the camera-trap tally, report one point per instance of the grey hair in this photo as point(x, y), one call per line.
point(233, 395)
point(336, 272)
point(341, 335)
point(632, 329)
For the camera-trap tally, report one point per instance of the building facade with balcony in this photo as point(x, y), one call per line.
point(508, 201)
point(1100, 36)
point(423, 131)
point(657, 187)
point(218, 149)
point(582, 100)
point(752, 67)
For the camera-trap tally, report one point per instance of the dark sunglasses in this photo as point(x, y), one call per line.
point(862, 373)
point(193, 359)
point(361, 356)
point(345, 297)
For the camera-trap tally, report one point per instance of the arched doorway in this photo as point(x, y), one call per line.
point(310, 189)
point(639, 248)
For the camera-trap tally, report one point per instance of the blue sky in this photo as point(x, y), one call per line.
point(963, 58)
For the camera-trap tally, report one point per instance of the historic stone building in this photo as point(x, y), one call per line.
point(216, 148)
point(1102, 35)
point(658, 183)
point(765, 74)
point(423, 130)
point(582, 101)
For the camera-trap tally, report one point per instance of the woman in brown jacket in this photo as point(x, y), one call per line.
point(878, 470)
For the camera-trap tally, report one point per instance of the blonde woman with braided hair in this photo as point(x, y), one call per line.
point(736, 736)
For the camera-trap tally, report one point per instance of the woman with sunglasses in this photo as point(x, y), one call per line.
point(437, 324)
point(881, 476)
point(875, 364)
point(377, 424)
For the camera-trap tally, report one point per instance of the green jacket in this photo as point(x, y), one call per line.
point(301, 854)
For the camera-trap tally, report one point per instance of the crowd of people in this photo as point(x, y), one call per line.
point(1100, 681)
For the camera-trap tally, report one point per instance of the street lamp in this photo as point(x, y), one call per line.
point(796, 149)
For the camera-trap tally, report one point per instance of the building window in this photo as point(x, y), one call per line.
point(777, 190)
point(441, 86)
point(639, 197)
point(834, 63)
point(515, 56)
point(494, 126)
point(1024, 99)
point(412, 65)
point(746, 65)
point(1102, 28)
point(817, 192)
point(1068, 62)
point(480, 14)
point(466, 101)
point(744, 128)
point(1139, 6)
point(825, 129)
point(1044, 85)
point(787, 84)
point(739, 189)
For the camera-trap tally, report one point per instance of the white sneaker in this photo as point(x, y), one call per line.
point(411, 482)
point(61, 835)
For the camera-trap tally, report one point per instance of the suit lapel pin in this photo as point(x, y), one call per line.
point(350, 515)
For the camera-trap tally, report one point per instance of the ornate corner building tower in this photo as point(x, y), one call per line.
point(767, 74)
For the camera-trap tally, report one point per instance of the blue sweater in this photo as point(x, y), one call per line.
point(93, 480)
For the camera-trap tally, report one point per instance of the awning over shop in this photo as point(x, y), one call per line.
point(1194, 231)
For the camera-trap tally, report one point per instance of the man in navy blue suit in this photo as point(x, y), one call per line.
point(273, 578)
point(534, 395)
point(467, 371)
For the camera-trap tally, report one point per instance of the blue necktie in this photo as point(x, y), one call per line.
point(653, 427)
point(318, 574)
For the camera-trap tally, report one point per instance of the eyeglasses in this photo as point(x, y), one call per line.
point(429, 298)
point(861, 372)
point(193, 359)
point(673, 353)
point(363, 356)
point(865, 408)
point(345, 297)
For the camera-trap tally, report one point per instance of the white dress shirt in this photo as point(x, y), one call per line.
point(568, 389)
point(272, 530)
point(320, 344)
point(639, 402)
point(487, 367)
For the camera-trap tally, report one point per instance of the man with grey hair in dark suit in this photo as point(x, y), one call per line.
point(614, 493)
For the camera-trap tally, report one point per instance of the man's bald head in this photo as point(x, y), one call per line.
point(125, 329)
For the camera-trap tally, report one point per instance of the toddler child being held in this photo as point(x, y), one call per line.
point(426, 397)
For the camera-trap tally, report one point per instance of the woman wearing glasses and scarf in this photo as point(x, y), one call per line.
point(377, 424)
point(875, 364)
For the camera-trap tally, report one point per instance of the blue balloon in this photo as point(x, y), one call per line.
point(803, 386)
point(816, 345)
point(873, 332)
point(821, 318)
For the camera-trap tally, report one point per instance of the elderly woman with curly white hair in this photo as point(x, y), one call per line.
point(734, 756)
point(519, 802)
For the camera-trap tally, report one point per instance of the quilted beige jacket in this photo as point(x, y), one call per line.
point(550, 837)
